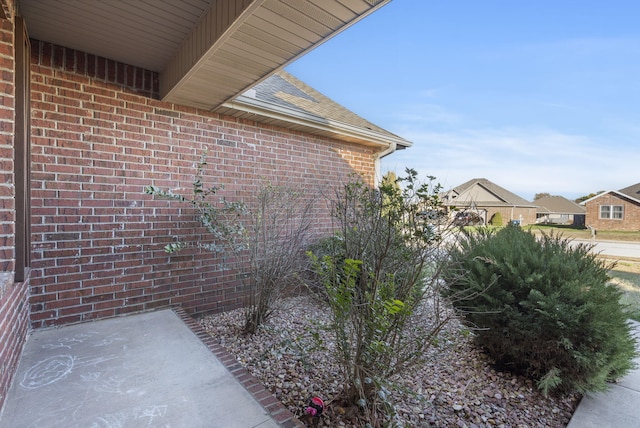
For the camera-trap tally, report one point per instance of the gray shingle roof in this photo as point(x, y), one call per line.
point(286, 101)
point(491, 194)
point(632, 191)
point(558, 205)
point(286, 90)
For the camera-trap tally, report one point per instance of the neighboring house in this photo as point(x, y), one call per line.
point(614, 209)
point(559, 210)
point(486, 198)
point(103, 98)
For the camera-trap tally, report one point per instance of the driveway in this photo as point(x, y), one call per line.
point(615, 248)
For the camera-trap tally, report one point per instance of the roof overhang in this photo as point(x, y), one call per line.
point(207, 52)
point(277, 115)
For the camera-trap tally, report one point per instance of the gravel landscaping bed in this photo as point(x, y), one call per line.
point(458, 387)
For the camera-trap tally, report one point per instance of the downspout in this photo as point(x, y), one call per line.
point(382, 153)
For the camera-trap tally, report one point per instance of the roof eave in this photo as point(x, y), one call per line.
point(623, 195)
point(206, 52)
point(488, 204)
point(560, 213)
point(183, 81)
point(315, 124)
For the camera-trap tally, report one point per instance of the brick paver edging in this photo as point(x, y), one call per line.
point(271, 404)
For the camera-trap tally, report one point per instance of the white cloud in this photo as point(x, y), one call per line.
point(524, 161)
point(557, 116)
point(425, 113)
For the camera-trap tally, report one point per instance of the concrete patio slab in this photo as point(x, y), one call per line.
point(146, 370)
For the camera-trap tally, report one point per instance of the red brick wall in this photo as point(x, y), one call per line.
point(98, 239)
point(138, 80)
point(527, 215)
point(14, 313)
point(14, 322)
point(631, 220)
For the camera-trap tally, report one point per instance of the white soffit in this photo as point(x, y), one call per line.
point(206, 51)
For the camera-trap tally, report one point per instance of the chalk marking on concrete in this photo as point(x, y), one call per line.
point(48, 371)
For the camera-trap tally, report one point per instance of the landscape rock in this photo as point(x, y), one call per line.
point(457, 387)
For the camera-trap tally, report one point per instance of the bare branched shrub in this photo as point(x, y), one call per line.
point(263, 237)
point(279, 223)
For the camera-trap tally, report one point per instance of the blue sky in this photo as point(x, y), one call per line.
point(536, 96)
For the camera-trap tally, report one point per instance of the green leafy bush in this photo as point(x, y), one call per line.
point(496, 219)
point(379, 275)
point(542, 308)
point(220, 217)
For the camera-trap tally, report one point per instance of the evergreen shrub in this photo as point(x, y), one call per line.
point(542, 308)
point(496, 219)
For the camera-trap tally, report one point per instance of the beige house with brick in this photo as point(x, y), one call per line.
point(103, 98)
point(614, 209)
point(485, 198)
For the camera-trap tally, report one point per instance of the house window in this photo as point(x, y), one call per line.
point(22, 152)
point(612, 212)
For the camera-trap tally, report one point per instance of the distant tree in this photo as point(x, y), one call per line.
point(389, 182)
point(391, 179)
point(589, 196)
point(541, 195)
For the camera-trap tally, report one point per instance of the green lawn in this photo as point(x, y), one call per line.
point(626, 273)
point(626, 276)
point(576, 233)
